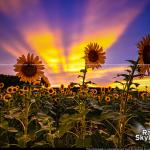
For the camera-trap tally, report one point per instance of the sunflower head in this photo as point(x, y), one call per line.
point(1, 85)
point(144, 55)
point(29, 68)
point(7, 97)
point(107, 99)
point(45, 81)
point(17, 86)
point(116, 96)
point(9, 90)
point(25, 88)
point(35, 90)
point(99, 98)
point(51, 91)
point(36, 83)
point(62, 87)
point(21, 92)
point(15, 89)
point(94, 55)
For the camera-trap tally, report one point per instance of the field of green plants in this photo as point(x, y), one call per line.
point(34, 114)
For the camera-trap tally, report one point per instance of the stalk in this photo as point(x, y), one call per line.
point(83, 123)
point(123, 107)
point(26, 121)
point(84, 75)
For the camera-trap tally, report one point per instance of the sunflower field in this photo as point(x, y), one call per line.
point(33, 114)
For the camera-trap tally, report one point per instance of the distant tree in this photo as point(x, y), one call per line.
point(10, 80)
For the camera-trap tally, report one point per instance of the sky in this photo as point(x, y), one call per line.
point(58, 31)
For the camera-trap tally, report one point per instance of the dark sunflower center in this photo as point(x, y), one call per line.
point(93, 56)
point(29, 70)
point(146, 54)
point(50, 90)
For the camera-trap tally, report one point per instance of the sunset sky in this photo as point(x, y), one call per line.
point(58, 31)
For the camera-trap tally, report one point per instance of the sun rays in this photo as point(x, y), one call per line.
point(39, 36)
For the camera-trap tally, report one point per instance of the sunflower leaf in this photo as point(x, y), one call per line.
point(83, 70)
point(79, 76)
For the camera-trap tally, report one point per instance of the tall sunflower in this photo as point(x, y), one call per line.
point(144, 55)
point(94, 55)
point(29, 68)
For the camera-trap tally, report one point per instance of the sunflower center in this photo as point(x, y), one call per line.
point(146, 54)
point(29, 70)
point(93, 56)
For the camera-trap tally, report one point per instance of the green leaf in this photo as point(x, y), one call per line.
point(83, 70)
point(11, 129)
point(4, 124)
point(79, 76)
point(136, 84)
point(98, 141)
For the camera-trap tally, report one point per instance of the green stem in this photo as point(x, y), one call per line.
point(130, 81)
point(84, 75)
point(83, 123)
point(26, 122)
point(123, 106)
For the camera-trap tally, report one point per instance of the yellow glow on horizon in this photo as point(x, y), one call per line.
point(143, 83)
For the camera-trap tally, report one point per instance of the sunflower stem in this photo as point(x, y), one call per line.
point(84, 75)
point(123, 106)
point(26, 122)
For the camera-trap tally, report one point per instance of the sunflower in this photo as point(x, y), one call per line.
point(36, 83)
point(9, 90)
point(35, 90)
point(54, 93)
point(130, 97)
point(99, 98)
point(94, 55)
point(109, 89)
point(21, 92)
point(29, 69)
point(45, 81)
point(144, 55)
point(61, 87)
point(15, 89)
point(116, 96)
point(107, 99)
point(17, 86)
point(1, 85)
point(102, 89)
point(69, 87)
point(25, 88)
point(62, 91)
point(7, 97)
point(103, 93)
point(94, 91)
point(51, 91)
